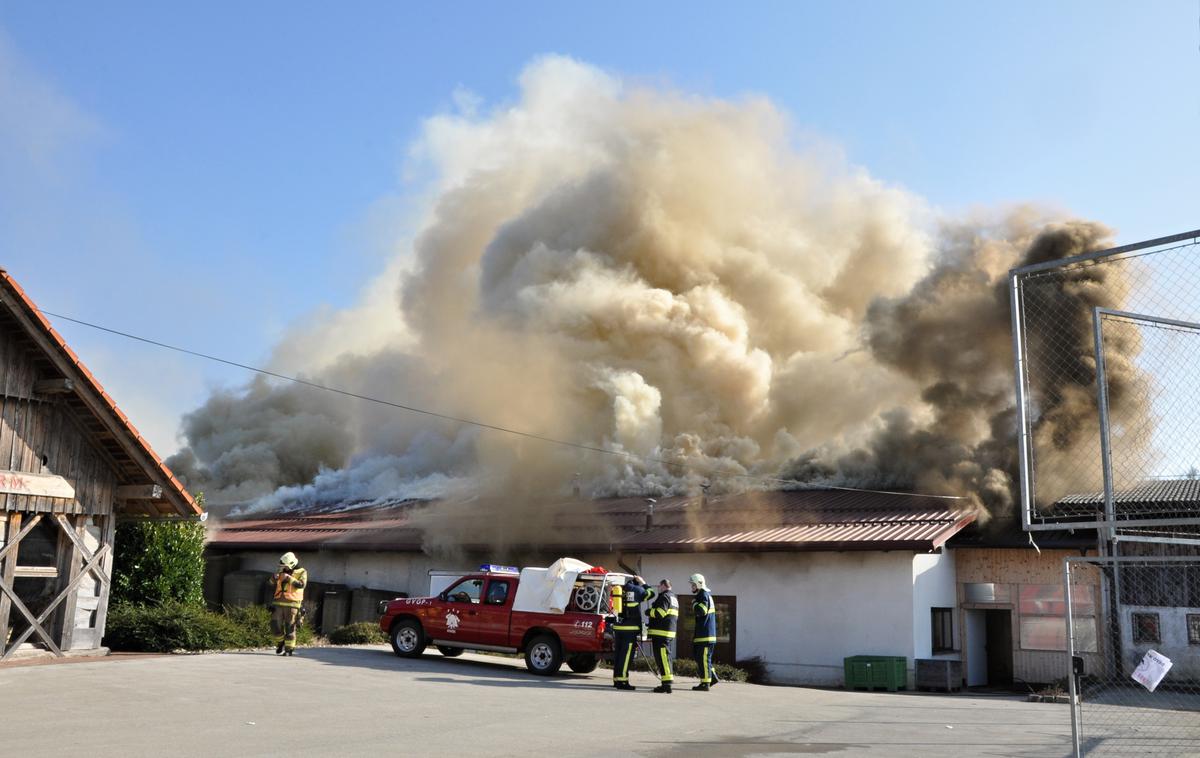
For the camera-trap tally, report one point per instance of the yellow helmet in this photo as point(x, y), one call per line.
point(289, 559)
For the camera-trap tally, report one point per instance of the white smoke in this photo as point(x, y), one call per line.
point(618, 266)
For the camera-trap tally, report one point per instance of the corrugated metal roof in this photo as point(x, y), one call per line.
point(15, 298)
point(779, 520)
point(1165, 491)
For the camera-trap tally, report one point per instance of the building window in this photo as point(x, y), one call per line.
point(1193, 625)
point(1145, 628)
point(943, 630)
point(1043, 624)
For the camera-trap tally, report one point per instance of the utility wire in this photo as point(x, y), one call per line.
point(459, 420)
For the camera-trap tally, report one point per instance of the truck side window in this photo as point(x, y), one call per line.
point(497, 593)
point(466, 591)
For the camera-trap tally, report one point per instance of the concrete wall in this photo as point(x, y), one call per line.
point(1172, 630)
point(934, 586)
point(802, 613)
point(402, 572)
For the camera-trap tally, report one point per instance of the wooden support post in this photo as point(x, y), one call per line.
point(108, 535)
point(8, 567)
point(70, 561)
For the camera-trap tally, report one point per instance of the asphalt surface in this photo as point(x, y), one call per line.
point(365, 701)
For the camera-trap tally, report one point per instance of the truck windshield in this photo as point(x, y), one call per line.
point(466, 591)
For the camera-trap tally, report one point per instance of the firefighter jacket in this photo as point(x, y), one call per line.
point(289, 588)
point(630, 619)
point(706, 617)
point(664, 613)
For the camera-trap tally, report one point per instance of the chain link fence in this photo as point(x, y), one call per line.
point(1135, 654)
point(1108, 356)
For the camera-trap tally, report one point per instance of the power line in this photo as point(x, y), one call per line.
point(455, 419)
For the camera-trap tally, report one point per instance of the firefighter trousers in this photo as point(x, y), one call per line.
point(662, 658)
point(283, 625)
point(624, 644)
point(704, 661)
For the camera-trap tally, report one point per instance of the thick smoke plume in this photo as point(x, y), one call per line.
point(672, 277)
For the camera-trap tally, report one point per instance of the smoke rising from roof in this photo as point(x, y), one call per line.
point(658, 274)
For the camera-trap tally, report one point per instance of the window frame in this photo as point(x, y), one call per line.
point(1135, 627)
point(937, 629)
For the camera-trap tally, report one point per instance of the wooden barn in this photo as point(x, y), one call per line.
point(71, 464)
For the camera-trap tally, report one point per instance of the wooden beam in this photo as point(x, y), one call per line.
point(36, 485)
point(108, 534)
point(139, 492)
point(7, 567)
point(54, 386)
point(35, 625)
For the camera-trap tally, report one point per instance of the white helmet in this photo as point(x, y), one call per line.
point(289, 559)
point(698, 580)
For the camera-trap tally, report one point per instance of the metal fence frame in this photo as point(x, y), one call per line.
point(1031, 521)
point(1112, 612)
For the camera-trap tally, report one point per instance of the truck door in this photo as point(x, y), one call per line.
point(494, 612)
point(457, 615)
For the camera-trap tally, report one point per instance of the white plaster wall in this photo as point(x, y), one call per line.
point(934, 586)
point(804, 612)
point(1172, 629)
point(401, 572)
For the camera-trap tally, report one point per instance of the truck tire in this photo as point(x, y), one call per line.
point(408, 638)
point(543, 655)
point(582, 663)
point(450, 652)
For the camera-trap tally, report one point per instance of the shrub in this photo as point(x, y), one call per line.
point(159, 562)
point(361, 633)
point(170, 626)
point(175, 626)
point(687, 667)
point(755, 668)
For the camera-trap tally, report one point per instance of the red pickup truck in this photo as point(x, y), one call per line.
point(482, 611)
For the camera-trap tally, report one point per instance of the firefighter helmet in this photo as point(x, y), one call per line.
point(289, 559)
point(698, 580)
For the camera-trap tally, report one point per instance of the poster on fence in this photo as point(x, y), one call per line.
point(1152, 669)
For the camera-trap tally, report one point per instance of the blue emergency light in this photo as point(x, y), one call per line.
point(492, 568)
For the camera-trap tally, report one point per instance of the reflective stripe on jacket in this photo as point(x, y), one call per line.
point(706, 617)
point(630, 619)
point(289, 588)
point(664, 614)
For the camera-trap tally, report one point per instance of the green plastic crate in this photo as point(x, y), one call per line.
point(876, 671)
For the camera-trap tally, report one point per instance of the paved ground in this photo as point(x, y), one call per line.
point(365, 701)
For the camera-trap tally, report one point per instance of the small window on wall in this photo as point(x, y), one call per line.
point(1193, 625)
point(943, 629)
point(1145, 628)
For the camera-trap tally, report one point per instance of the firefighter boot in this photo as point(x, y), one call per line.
point(289, 651)
point(702, 687)
point(279, 649)
point(625, 686)
point(666, 687)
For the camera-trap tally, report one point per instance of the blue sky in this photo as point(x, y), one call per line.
point(207, 175)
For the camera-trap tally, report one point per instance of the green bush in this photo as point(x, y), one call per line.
point(361, 633)
point(175, 626)
point(159, 562)
point(169, 627)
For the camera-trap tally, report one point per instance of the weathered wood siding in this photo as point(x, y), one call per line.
point(40, 434)
point(1016, 567)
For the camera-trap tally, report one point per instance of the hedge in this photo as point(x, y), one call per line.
point(174, 626)
point(159, 562)
point(360, 633)
point(687, 667)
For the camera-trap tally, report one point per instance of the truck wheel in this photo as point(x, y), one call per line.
point(543, 656)
point(450, 652)
point(582, 663)
point(408, 639)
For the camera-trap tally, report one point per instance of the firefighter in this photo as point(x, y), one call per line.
point(664, 615)
point(704, 638)
point(627, 631)
point(289, 583)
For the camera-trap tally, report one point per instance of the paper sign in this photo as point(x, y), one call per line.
point(1152, 669)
